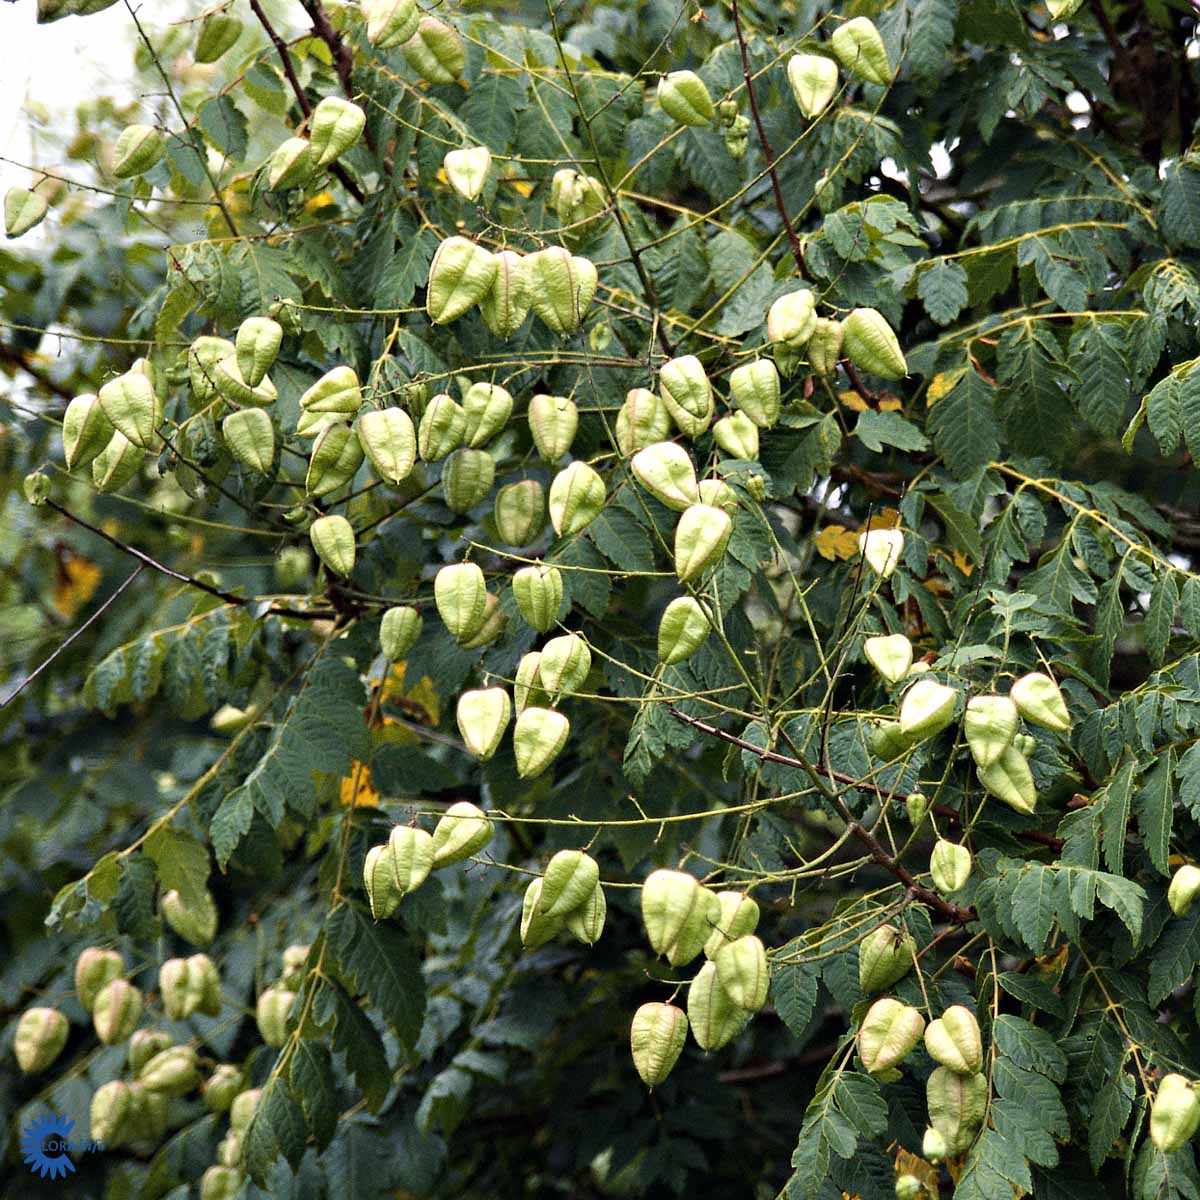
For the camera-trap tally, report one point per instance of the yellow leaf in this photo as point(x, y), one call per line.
point(523, 186)
point(885, 518)
point(75, 584)
point(417, 704)
point(319, 201)
point(357, 790)
point(835, 541)
point(853, 401)
point(914, 1164)
point(941, 384)
point(889, 403)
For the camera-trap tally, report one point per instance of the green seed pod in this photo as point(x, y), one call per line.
point(144, 1045)
point(888, 1034)
point(337, 391)
point(220, 1183)
point(737, 435)
point(576, 498)
point(244, 1106)
point(539, 592)
point(570, 878)
point(891, 656)
point(336, 456)
point(527, 688)
point(933, 1146)
point(196, 924)
point(271, 1014)
point(687, 394)
point(860, 49)
point(333, 540)
point(399, 631)
point(927, 708)
point(538, 738)
point(389, 441)
point(409, 855)
point(656, 1040)
point(94, 968)
point(460, 275)
point(218, 32)
point(461, 598)
point(483, 716)
point(435, 51)
point(553, 421)
point(989, 724)
point(869, 343)
point(716, 493)
point(679, 915)
point(684, 97)
point(953, 1041)
point(1039, 700)
point(1185, 887)
point(885, 956)
point(336, 125)
point(287, 312)
point(1010, 779)
point(171, 1072)
point(290, 165)
point(882, 549)
point(738, 917)
point(380, 884)
point(714, 1018)
point(147, 1121)
point(494, 624)
point(442, 429)
point(40, 1037)
point(117, 1011)
point(888, 741)
point(131, 407)
point(909, 1187)
point(467, 170)
point(642, 420)
point(737, 137)
point(390, 22)
point(231, 386)
point(825, 346)
point(665, 470)
point(743, 971)
point(184, 986)
point(23, 210)
point(202, 358)
point(586, 923)
point(36, 488)
point(727, 111)
point(221, 1087)
point(505, 305)
point(295, 966)
point(138, 148)
point(520, 512)
point(754, 387)
point(957, 1104)
point(700, 540)
point(792, 319)
point(487, 408)
point(682, 630)
point(250, 437)
point(536, 928)
point(564, 664)
point(949, 866)
point(1024, 744)
point(85, 430)
point(814, 80)
point(467, 478)
point(111, 1107)
point(462, 831)
point(916, 806)
point(1175, 1114)
point(561, 287)
point(257, 347)
point(577, 199)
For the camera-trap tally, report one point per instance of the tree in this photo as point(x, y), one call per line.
point(522, 529)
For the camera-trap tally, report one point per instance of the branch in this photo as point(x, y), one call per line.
point(343, 60)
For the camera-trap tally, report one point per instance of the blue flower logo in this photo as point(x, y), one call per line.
point(44, 1145)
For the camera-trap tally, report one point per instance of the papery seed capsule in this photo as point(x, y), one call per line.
point(909, 1187)
point(409, 854)
point(505, 305)
point(460, 593)
point(684, 97)
point(487, 408)
point(460, 275)
point(291, 165)
point(1039, 700)
point(467, 170)
point(989, 724)
point(379, 882)
point(642, 420)
point(679, 915)
point(1010, 779)
point(462, 831)
point(336, 456)
point(389, 441)
point(467, 477)
point(586, 923)
point(483, 716)
point(665, 470)
point(144, 1045)
point(117, 1011)
point(335, 126)
point(891, 656)
point(242, 1111)
point(218, 33)
point(1024, 744)
point(222, 1087)
point(716, 493)
point(250, 437)
point(737, 137)
point(792, 318)
point(147, 1121)
point(1175, 1114)
point(171, 1072)
point(257, 347)
point(138, 148)
point(39, 1039)
point(1184, 888)
point(576, 498)
point(824, 348)
point(738, 917)
point(860, 49)
point(294, 961)
point(656, 1039)
point(337, 391)
point(700, 540)
point(435, 51)
point(743, 972)
point(953, 1041)
point(333, 539)
point(495, 621)
point(687, 394)
point(916, 806)
point(536, 928)
point(442, 429)
point(949, 866)
point(957, 1104)
point(888, 1034)
point(885, 956)
point(814, 80)
point(682, 630)
point(390, 22)
point(570, 878)
point(870, 343)
point(933, 1146)
point(110, 1110)
point(202, 358)
point(888, 741)
point(94, 968)
point(755, 389)
point(539, 593)
point(220, 1183)
point(564, 664)
point(399, 631)
point(713, 1017)
point(131, 407)
point(85, 430)
point(520, 512)
point(561, 287)
point(527, 689)
point(927, 708)
point(553, 421)
point(23, 210)
point(882, 549)
point(737, 435)
point(232, 387)
point(271, 1016)
point(538, 738)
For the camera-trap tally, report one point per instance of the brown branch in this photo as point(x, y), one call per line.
point(343, 60)
point(872, 398)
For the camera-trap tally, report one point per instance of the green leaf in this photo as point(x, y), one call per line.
point(1103, 390)
point(943, 290)
point(878, 429)
point(1154, 807)
point(963, 424)
point(182, 864)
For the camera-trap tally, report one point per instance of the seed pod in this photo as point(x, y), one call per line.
point(399, 631)
point(462, 830)
point(882, 549)
point(957, 1104)
point(1024, 744)
point(505, 305)
point(232, 387)
point(221, 1087)
point(410, 857)
point(390, 22)
point(333, 540)
point(460, 595)
point(85, 430)
point(467, 170)
point(700, 540)
point(138, 148)
point(718, 494)
point(576, 199)
point(642, 420)
point(679, 915)
point(337, 391)
point(737, 137)
point(792, 318)
point(144, 1045)
point(860, 49)
point(495, 621)
point(171, 1072)
point(687, 394)
point(220, 1183)
point(336, 125)
point(737, 435)
point(189, 985)
point(538, 738)
point(927, 708)
point(487, 408)
point(460, 275)
point(684, 97)
point(1039, 700)
point(467, 478)
point(888, 741)
point(536, 928)
point(131, 407)
point(110, 1110)
point(1175, 1114)
point(682, 630)
point(949, 866)
point(561, 287)
point(989, 725)
point(40, 1037)
point(814, 80)
point(713, 1017)
point(290, 165)
point(909, 1187)
point(483, 716)
point(916, 806)
point(553, 421)
point(539, 592)
point(1010, 779)
point(117, 1011)
point(738, 917)
point(1184, 888)
point(884, 956)
point(294, 961)
point(380, 883)
point(576, 498)
point(743, 972)
point(869, 343)
point(336, 456)
point(218, 32)
point(953, 1041)
point(23, 210)
point(389, 441)
point(435, 51)
point(754, 387)
point(442, 429)
point(520, 512)
point(665, 470)
point(250, 437)
point(656, 1039)
point(257, 346)
point(93, 969)
point(825, 346)
point(564, 664)
point(202, 358)
point(570, 879)
point(271, 1014)
point(888, 1034)
point(147, 1121)
point(891, 656)
point(586, 923)
point(242, 1111)
point(933, 1146)
point(527, 689)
